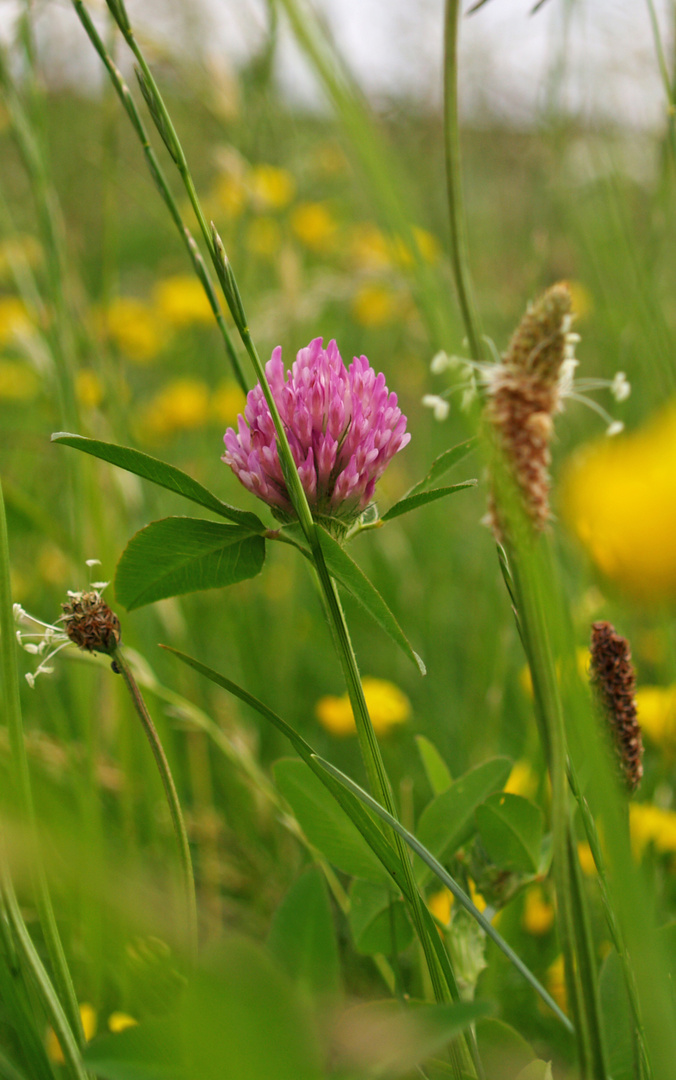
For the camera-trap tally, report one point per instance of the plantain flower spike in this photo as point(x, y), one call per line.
point(614, 679)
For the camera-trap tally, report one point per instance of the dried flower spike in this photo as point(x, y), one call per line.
point(89, 622)
point(612, 674)
point(343, 426)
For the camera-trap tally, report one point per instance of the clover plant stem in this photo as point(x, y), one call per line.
point(171, 795)
point(21, 783)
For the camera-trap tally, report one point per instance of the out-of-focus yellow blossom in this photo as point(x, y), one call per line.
point(119, 1021)
point(135, 328)
point(369, 248)
point(14, 319)
point(375, 305)
point(387, 704)
point(652, 825)
point(231, 194)
point(22, 248)
point(181, 301)
point(89, 1020)
point(581, 661)
point(440, 904)
point(227, 402)
point(478, 900)
point(427, 245)
point(264, 237)
point(619, 498)
point(181, 405)
point(581, 299)
point(523, 780)
point(18, 381)
point(271, 188)
point(52, 564)
point(314, 225)
point(555, 980)
point(656, 706)
point(88, 388)
point(584, 854)
point(538, 913)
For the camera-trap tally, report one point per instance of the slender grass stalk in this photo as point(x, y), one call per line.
point(170, 791)
point(157, 173)
point(456, 209)
point(23, 790)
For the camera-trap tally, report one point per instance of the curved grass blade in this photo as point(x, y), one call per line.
point(441, 465)
point(160, 473)
point(412, 502)
point(449, 882)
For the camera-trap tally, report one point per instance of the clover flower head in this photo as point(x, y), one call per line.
point(343, 427)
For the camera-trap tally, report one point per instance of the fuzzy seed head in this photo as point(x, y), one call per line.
point(89, 622)
point(614, 679)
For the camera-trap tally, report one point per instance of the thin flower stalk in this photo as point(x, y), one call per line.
point(23, 790)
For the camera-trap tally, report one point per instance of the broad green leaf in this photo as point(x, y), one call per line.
point(617, 1020)
point(243, 1020)
point(510, 828)
point(325, 824)
point(181, 555)
point(436, 769)
point(303, 937)
point(502, 1050)
point(149, 1051)
point(160, 473)
point(412, 502)
point(350, 576)
point(448, 821)
point(385, 1039)
point(374, 915)
point(538, 1070)
point(442, 464)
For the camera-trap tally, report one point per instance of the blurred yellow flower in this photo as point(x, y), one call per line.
point(231, 194)
point(181, 301)
point(135, 328)
point(264, 237)
point(18, 381)
point(538, 913)
point(314, 225)
point(555, 980)
point(375, 305)
point(369, 248)
point(88, 388)
point(477, 899)
point(584, 854)
point(14, 319)
point(23, 248)
point(652, 825)
point(181, 405)
point(582, 664)
point(581, 299)
point(619, 498)
point(387, 704)
point(271, 188)
point(227, 402)
point(88, 1017)
point(523, 780)
point(656, 707)
point(119, 1021)
point(440, 904)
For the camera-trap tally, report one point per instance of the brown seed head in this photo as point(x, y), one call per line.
point(614, 679)
point(89, 622)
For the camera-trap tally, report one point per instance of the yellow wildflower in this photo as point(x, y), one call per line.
point(369, 248)
point(440, 904)
point(181, 405)
point(264, 237)
point(227, 402)
point(584, 854)
point(14, 319)
point(88, 388)
point(476, 898)
point(18, 381)
point(619, 498)
point(375, 305)
point(231, 194)
point(523, 780)
point(314, 225)
point(556, 982)
point(387, 705)
point(181, 300)
point(652, 825)
point(88, 1017)
point(271, 188)
point(538, 913)
point(118, 1021)
point(135, 328)
point(656, 707)
point(582, 299)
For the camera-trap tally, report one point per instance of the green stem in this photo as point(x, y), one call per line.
point(22, 785)
point(456, 209)
point(170, 792)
